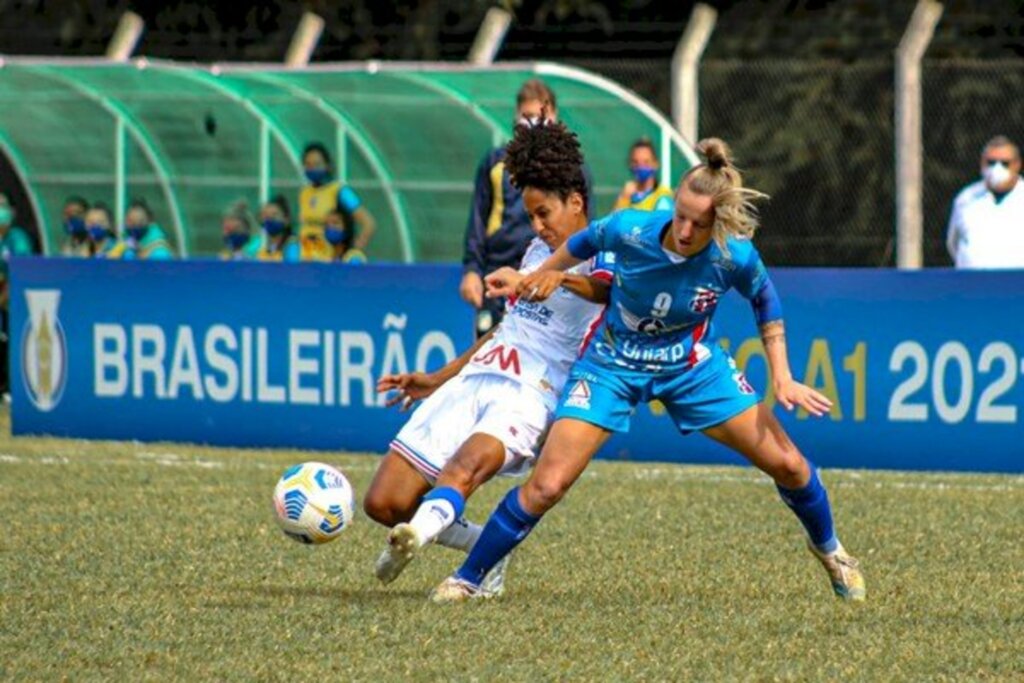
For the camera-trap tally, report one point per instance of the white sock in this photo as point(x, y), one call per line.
point(461, 535)
point(431, 518)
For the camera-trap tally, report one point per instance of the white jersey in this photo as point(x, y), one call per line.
point(538, 341)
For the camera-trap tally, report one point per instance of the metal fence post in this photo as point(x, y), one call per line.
point(909, 166)
point(489, 37)
point(120, 175)
point(305, 40)
point(126, 37)
point(685, 63)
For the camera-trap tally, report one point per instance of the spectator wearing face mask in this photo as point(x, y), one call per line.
point(338, 235)
point(143, 237)
point(240, 243)
point(643, 192)
point(278, 242)
point(76, 241)
point(322, 196)
point(99, 222)
point(986, 227)
point(499, 231)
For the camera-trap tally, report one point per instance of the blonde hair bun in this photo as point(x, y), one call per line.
point(716, 153)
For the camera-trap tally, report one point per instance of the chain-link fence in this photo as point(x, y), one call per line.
point(965, 103)
point(816, 136)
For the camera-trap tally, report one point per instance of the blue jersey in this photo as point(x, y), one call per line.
point(659, 315)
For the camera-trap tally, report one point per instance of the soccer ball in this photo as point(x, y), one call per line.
point(313, 502)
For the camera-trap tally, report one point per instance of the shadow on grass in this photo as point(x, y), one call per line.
point(360, 595)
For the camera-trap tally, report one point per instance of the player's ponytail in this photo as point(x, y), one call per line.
point(716, 153)
point(718, 178)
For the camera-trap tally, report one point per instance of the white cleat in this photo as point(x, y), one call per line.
point(401, 548)
point(455, 590)
point(843, 571)
point(494, 583)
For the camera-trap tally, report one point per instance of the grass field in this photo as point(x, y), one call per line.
point(130, 562)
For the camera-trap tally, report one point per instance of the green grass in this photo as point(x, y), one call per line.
point(130, 562)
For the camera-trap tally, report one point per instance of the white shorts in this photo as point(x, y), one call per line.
point(476, 404)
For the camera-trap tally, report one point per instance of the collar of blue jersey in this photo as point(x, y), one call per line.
point(674, 255)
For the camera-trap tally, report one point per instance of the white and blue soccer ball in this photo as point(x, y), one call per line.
point(313, 502)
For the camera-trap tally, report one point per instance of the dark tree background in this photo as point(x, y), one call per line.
point(803, 89)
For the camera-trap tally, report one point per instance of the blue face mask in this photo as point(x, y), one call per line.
point(236, 240)
point(334, 235)
point(136, 232)
point(6, 215)
point(273, 227)
point(97, 233)
point(75, 226)
point(317, 176)
point(643, 173)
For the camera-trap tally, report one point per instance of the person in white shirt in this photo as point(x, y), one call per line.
point(486, 412)
point(986, 228)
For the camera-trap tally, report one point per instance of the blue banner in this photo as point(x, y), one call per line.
point(924, 368)
point(233, 354)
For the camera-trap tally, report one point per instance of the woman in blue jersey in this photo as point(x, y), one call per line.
point(657, 342)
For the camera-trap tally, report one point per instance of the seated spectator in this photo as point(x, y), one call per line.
point(322, 196)
point(14, 241)
point(144, 238)
point(99, 222)
point(986, 227)
point(240, 243)
point(643, 192)
point(278, 242)
point(340, 238)
point(77, 242)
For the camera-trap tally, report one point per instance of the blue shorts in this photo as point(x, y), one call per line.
point(696, 398)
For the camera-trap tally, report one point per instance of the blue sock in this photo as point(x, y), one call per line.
point(450, 495)
point(811, 506)
point(507, 526)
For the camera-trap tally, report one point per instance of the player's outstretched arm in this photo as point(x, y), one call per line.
point(788, 391)
point(593, 289)
point(502, 282)
point(410, 387)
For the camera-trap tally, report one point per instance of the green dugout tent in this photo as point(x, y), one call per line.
point(193, 139)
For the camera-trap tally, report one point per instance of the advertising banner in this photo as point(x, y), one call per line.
point(924, 368)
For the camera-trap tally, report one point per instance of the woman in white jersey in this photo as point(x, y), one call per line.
point(486, 412)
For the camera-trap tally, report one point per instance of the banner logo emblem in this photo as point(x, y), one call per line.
point(44, 350)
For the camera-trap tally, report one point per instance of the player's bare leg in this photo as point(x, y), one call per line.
point(395, 491)
point(391, 499)
point(757, 435)
point(438, 517)
point(568, 450)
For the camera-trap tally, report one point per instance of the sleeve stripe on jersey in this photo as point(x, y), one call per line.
point(598, 319)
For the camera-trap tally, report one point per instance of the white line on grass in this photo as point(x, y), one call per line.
point(699, 474)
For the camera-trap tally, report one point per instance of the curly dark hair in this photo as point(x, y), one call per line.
point(546, 156)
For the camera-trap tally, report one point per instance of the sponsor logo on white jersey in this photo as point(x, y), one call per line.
point(504, 358)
